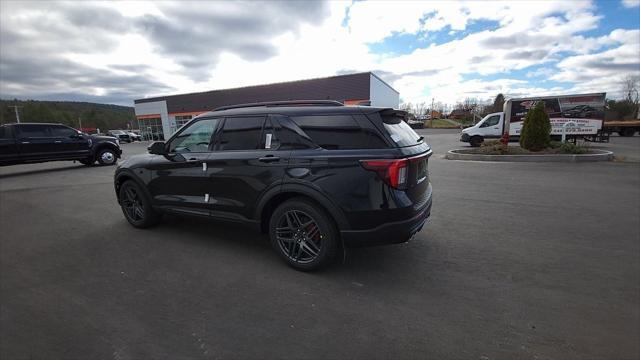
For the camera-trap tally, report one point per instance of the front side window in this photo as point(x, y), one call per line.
point(32, 131)
point(494, 120)
point(195, 138)
point(241, 133)
point(63, 131)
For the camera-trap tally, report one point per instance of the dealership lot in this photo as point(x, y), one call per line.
point(526, 260)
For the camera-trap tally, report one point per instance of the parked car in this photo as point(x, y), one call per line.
point(122, 135)
point(134, 137)
point(416, 124)
point(316, 176)
point(581, 111)
point(41, 142)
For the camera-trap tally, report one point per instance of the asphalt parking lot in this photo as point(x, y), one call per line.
point(519, 260)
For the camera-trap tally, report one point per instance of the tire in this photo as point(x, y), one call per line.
point(136, 206)
point(87, 162)
point(107, 157)
point(626, 132)
point(476, 141)
point(308, 247)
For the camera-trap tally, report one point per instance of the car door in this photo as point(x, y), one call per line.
point(247, 161)
point(68, 142)
point(36, 143)
point(9, 151)
point(178, 179)
point(491, 127)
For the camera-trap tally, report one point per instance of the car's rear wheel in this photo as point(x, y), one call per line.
point(136, 206)
point(107, 157)
point(303, 234)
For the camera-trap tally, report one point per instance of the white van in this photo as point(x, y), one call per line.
point(490, 127)
point(583, 112)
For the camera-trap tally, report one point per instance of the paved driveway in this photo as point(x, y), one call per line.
point(519, 260)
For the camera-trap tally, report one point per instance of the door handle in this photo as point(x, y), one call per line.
point(58, 142)
point(25, 142)
point(269, 158)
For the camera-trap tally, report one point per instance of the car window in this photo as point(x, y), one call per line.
point(494, 120)
point(399, 131)
point(269, 139)
point(338, 132)
point(63, 131)
point(194, 138)
point(27, 131)
point(291, 137)
point(5, 132)
point(240, 133)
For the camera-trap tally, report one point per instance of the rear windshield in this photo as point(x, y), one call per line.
point(399, 131)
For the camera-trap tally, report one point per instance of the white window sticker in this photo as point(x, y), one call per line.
point(267, 142)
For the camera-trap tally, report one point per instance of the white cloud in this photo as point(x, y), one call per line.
point(631, 3)
point(115, 38)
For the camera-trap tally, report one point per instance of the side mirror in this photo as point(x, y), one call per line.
point(157, 148)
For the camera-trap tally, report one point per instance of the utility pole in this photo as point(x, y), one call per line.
point(15, 107)
point(432, 112)
point(80, 122)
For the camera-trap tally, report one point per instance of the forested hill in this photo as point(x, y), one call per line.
point(102, 116)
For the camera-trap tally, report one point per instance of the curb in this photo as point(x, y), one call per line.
point(600, 155)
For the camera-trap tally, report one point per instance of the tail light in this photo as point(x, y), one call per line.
point(392, 172)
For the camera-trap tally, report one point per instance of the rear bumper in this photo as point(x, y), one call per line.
point(389, 233)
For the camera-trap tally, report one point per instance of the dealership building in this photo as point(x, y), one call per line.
point(159, 117)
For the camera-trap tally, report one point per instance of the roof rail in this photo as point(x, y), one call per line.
point(283, 103)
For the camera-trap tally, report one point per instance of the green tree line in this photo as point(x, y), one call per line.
point(102, 116)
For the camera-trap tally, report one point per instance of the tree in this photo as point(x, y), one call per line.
point(536, 130)
point(631, 85)
point(498, 103)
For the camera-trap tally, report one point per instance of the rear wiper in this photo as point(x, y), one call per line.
point(420, 138)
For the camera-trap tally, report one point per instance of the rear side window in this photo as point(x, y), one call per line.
point(241, 133)
point(27, 131)
point(5, 132)
point(62, 131)
point(398, 130)
point(340, 132)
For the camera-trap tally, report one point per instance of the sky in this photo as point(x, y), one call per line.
point(115, 52)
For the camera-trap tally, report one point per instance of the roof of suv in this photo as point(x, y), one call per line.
point(32, 123)
point(293, 110)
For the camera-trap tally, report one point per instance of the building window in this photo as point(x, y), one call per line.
point(151, 129)
point(181, 120)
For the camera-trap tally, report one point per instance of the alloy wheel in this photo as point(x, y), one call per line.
point(299, 236)
point(132, 204)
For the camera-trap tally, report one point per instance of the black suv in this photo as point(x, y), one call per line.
point(40, 142)
point(314, 175)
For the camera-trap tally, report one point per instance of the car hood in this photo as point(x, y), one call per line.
point(100, 138)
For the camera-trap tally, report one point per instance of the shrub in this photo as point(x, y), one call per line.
point(571, 148)
point(536, 130)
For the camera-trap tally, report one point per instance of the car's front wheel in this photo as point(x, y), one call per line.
point(107, 157)
point(303, 234)
point(136, 206)
point(476, 141)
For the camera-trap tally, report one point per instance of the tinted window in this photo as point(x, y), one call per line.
point(62, 131)
point(339, 132)
point(269, 139)
point(34, 131)
point(195, 138)
point(241, 133)
point(5, 132)
point(291, 137)
point(398, 130)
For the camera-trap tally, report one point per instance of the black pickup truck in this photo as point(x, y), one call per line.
point(41, 142)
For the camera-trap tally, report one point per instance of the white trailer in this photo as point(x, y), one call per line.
point(576, 115)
